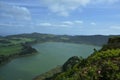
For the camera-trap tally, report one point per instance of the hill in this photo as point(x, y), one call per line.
point(14, 47)
point(92, 39)
point(101, 65)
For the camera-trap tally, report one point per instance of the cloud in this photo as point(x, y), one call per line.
point(78, 22)
point(14, 12)
point(93, 23)
point(75, 22)
point(104, 1)
point(48, 24)
point(64, 7)
point(45, 24)
point(67, 23)
point(61, 24)
point(11, 25)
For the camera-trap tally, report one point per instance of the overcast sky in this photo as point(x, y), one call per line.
point(72, 17)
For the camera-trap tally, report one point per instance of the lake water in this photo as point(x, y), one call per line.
point(50, 54)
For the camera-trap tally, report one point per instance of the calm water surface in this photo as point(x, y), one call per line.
point(50, 54)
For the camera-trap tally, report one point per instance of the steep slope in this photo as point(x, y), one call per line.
point(101, 65)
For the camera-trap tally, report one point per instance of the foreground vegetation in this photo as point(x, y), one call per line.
point(101, 65)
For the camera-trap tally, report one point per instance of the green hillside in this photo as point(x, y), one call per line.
point(90, 39)
point(14, 47)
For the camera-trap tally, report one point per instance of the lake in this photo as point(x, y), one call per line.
point(50, 54)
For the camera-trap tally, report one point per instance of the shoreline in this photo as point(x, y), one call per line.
point(23, 53)
point(48, 74)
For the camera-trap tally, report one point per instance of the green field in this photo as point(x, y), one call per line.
point(8, 50)
point(12, 45)
point(21, 40)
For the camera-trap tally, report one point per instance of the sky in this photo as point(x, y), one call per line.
point(62, 17)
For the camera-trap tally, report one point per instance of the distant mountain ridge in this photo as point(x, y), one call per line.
point(87, 39)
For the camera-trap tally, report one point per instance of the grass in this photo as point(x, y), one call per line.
point(14, 46)
point(8, 50)
point(21, 40)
